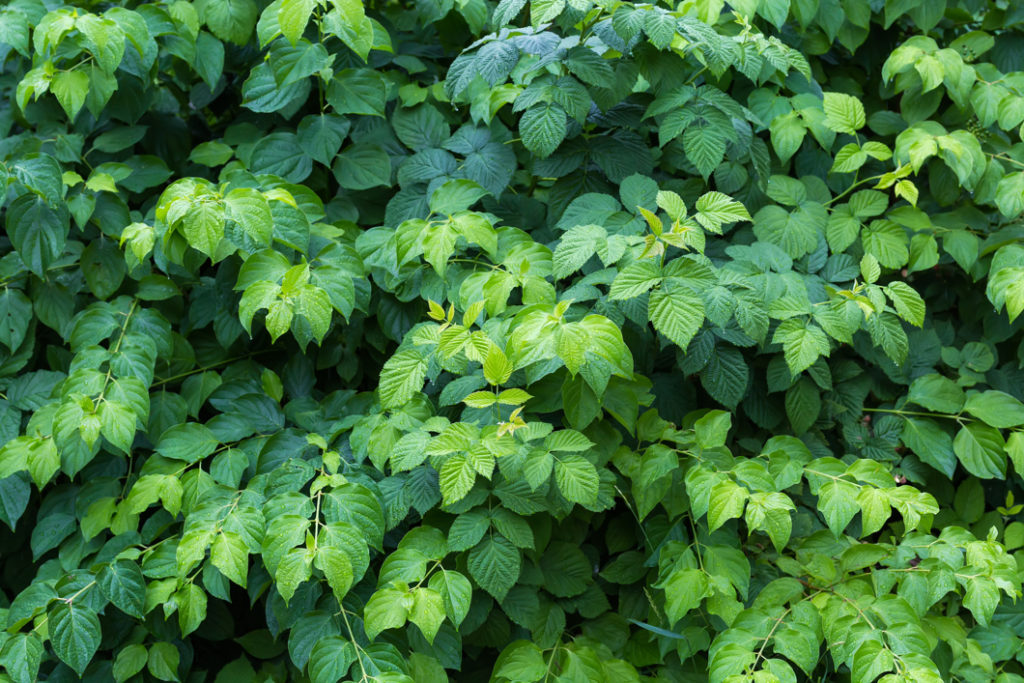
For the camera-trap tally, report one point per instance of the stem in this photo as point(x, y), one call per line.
point(916, 413)
point(211, 366)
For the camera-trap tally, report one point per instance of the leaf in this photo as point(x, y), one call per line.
point(803, 405)
point(292, 17)
point(930, 443)
point(337, 569)
point(401, 378)
point(191, 603)
point(909, 304)
point(802, 344)
point(387, 608)
point(71, 89)
point(37, 231)
point(494, 564)
point(521, 661)
point(190, 442)
point(676, 312)
point(129, 661)
point(15, 316)
point(577, 478)
point(635, 279)
point(576, 247)
point(427, 612)
point(455, 195)
point(684, 591)
point(704, 145)
point(230, 555)
point(787, 134)
point(163, 661)
point(330, 659)
point(543, 128)
point(456, 593)
point(843, 113)
point(715, 209)
point(799, 644)
point(123, 584)
point(21, 656)
point(726, 502)
point(995, 408)
point(231, 20)
point(75, 634)
point(980, 449)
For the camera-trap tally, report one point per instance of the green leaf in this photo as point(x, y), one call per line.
point(980, 449)
point(230, 555)
point(330, 659)
point(937, 393)
point(75, 634)
point(843, 113)
point(386, 608)
point(129, 661)
point(401, 378)
point(684, 591)
point(870, 661)
point(456, 593)
point(576, 247)
point(190, 442)
point(577, 478)
point(799, 644)
point(713, 428)
point(495, 564)
point(15, 316)
point(455, 195)
point(635, 279)
point(995, 408)
point(704, 145)
point(21, 656)
point(933, 445)
point(715, 209)
point(294, 568)
point(37, 231)
point(250, 210)
point(163, 661)
point(292, 17)
point(521, 661)
point(837, 501)
point(362, 166)
point(427, 611)
point(676, 312)
point(908, 303)
point(358, 91)
point(123, 584)
point(787, 134)
point(803, 405)
point(337, 569)
point(191, 604)
point(71, 89)
point(802, 344)
point(726, 502)
point(231, 20)
point(543, 127)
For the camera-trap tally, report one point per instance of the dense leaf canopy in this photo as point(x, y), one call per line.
point(560, 340)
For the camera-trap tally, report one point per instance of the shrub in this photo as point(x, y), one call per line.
point(577, 341)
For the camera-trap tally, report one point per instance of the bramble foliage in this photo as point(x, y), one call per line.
point(570, 340)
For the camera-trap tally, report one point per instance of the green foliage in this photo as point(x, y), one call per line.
point(550, 341)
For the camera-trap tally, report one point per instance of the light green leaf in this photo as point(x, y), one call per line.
point(386, 608)
point(576, 478)
point(843, 113)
